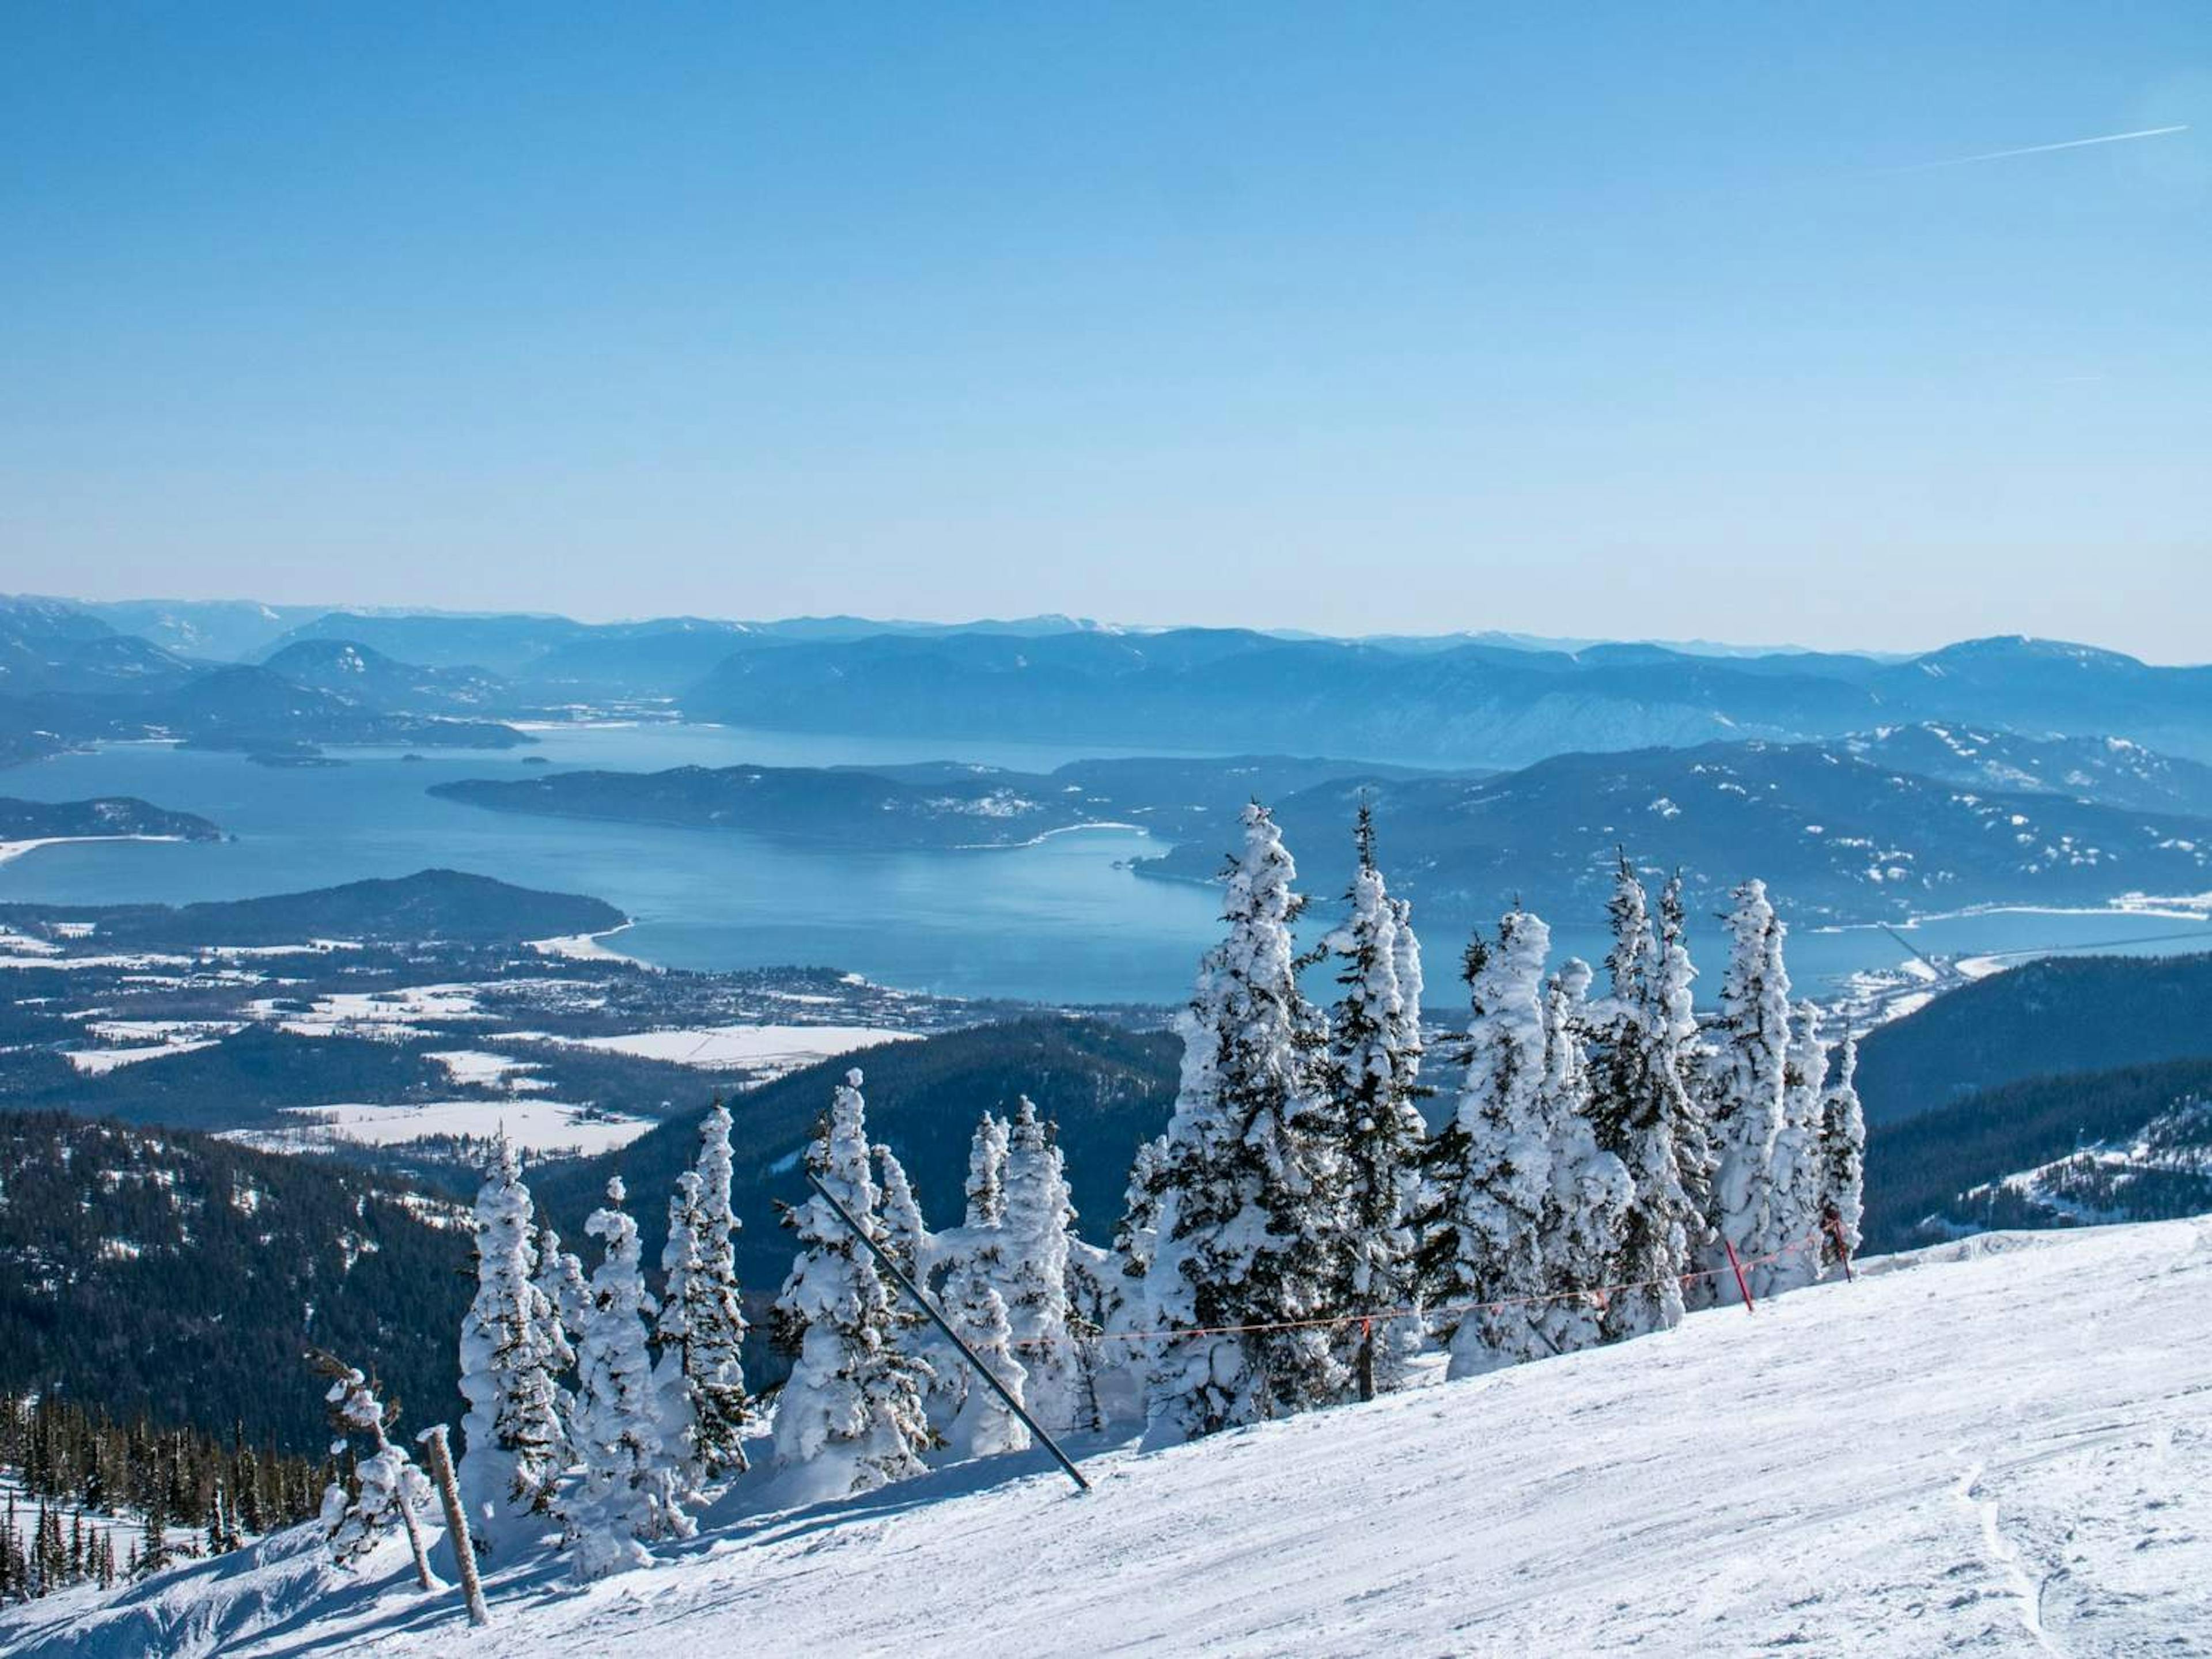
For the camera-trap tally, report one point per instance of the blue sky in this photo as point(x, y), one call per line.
point(1614, 319)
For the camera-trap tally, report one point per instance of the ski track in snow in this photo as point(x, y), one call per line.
point(1998, 1446)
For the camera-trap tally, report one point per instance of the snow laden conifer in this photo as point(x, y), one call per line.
point(1243, 1237)
point(853, 1407)
point(1843, 1159)
point(711, 1330)
point(1747, 1077)
point(1495, 1218)
point(1591, 1187)
point(567, 1298)
point(1373, 1082)
point(388, 1490)
point(629, 1495)
point(515, 1440)
point(904, 1234)
point(984, 1426)
point(1137, 1233)
point(986, 1173)
point(1643, 1110)
point(1794, 1192)
point(1033, 1269)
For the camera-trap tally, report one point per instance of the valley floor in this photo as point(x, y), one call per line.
point(1999, 1446)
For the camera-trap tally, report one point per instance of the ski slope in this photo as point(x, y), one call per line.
point(2001, 1446)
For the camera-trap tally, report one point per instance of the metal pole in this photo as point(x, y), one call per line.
point(457, 1520)
point(1013, 1404)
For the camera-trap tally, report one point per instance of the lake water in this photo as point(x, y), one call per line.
point(1063, 920)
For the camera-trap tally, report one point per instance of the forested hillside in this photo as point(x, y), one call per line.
point(176, 1275)
point(2057, 1015)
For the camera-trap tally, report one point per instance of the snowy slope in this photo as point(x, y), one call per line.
point(2003, 1445)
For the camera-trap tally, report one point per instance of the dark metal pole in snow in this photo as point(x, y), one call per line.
point(884, 1260)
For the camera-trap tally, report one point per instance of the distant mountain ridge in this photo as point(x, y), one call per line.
point(1836, 836)
point(937, 805)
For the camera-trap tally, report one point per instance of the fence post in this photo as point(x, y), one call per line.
point(1742, 1284)
point(433, 1440)
point(1367, 1359)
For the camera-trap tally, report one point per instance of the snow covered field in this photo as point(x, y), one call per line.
point(766, 1051)
point(2000, 1446)
point(532, 1125)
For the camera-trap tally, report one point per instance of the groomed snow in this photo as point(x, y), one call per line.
point(1999, 1446)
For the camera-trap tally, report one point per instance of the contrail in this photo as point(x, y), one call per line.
point(2040, 149)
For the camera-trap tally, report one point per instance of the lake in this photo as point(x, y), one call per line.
point(1063, 920)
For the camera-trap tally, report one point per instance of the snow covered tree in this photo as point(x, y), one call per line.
point(1495, 1219)
point(1591, 1187)
point(1795, 1193)
point(1243, 1234)
point(853, 1405)
point(986, 1173)
point(1643, 1110)
point(1137, 1233)
point(1749, 1064)
point(1373, 1081)
point(1032, 1273)
point(630, 1494)
point(567, 1300)
point(983, 1426)
point(701, 1372)
point(388, 1489)
point(515, 1441)
point(1843, 1159)
point(904, 1232)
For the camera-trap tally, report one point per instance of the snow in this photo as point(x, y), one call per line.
point(1922, 1461)
point(98, 1062)
point(767, 1049)
point(467, 1067)
point(533, 1125)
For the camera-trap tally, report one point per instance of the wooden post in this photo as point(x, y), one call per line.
point(1367, 1359)
point(433, 1439)
point(1742, 1284)
point(1013, 1403)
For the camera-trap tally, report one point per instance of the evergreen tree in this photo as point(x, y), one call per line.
point(1641, 1109)
point(630, 1493)
point(1032, 1275)
point(681, 1262)
point(984, 1426)
point(1796, 1194)
point(986, 1173)
point(1243, 1233)
point(1843, 1159)
point(566, 1305)
point(1591, 1189)
point(853, 1405)
point(714, 1320)
point(1748, 1071)
point(514, 1438)
point(388, 1489)
point(1373, 1083)
point(1496, 1219)
point(1136, 1233)
point(904, 1235)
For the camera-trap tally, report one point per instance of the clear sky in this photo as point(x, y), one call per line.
point(1623, 319)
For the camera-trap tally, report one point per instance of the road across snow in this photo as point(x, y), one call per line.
point(2002, 1446)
